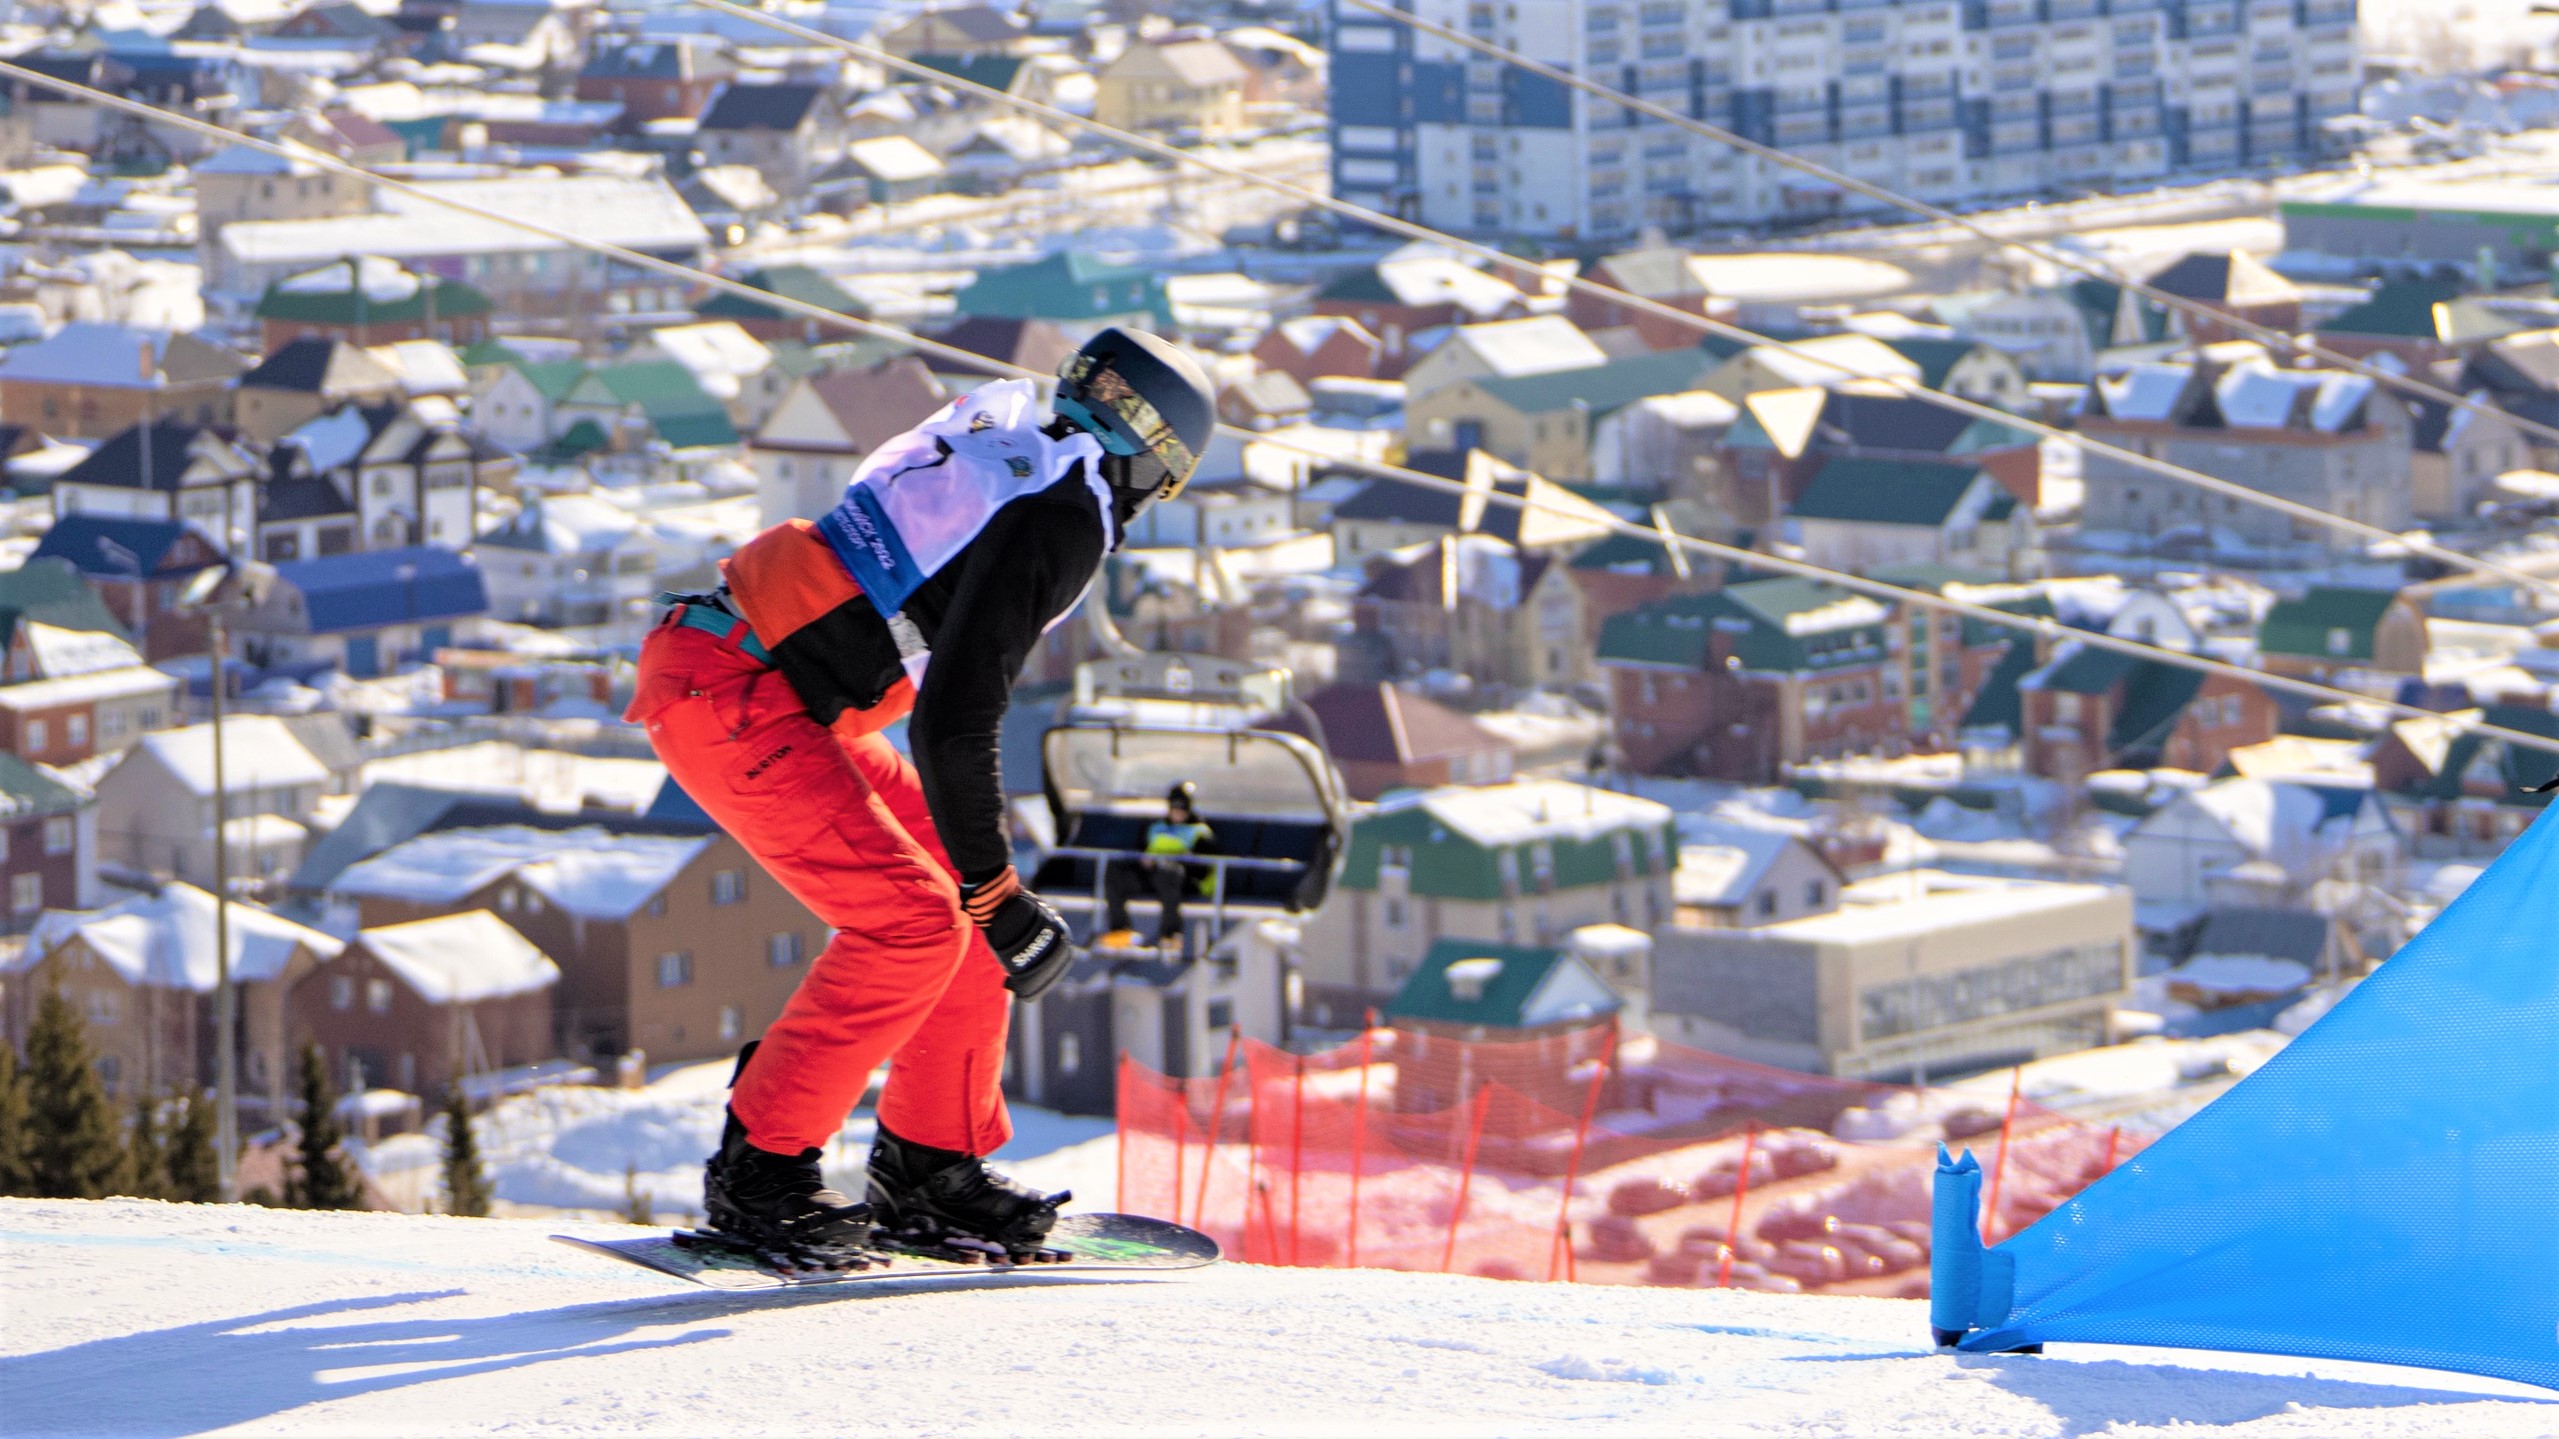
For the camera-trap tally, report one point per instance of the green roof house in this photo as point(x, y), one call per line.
point(2331, 629)
point(1524, 863)
point(1546, 421)
point(769, 322)
point(1077, 290)
point(371, 301)
point(2090, 709)
point(1859, 513)
point(1472, 990)
point(642, 400)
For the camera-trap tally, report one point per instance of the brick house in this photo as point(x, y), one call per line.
point(418, 1006)
point(137, 568)
point(141, 971)
point(1396, 299)
point(2235, 284)
point(1658, 273)
point(655, 79)
point(156, 806)
point(675, 944)
point(788, 132)
point(2092, 709)
point(1312, 346)
point(370, 302)
point(1383, 738)
point(87, 381)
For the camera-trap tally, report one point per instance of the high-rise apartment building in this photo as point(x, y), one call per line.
point(1947, 100)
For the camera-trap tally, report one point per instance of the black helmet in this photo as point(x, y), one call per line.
point(1147, 402)
point(1184, 794)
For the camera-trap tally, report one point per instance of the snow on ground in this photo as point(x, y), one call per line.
point(135, 1319)
point(568, 1147)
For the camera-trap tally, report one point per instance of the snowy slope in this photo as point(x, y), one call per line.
point(138, 1319)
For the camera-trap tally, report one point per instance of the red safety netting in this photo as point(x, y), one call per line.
point(1573, 1157)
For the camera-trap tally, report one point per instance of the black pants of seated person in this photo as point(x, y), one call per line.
point(1125, 879)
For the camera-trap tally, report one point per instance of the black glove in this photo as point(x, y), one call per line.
point(1029, 937)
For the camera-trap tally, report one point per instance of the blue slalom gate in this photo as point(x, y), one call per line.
point(2386, 1188)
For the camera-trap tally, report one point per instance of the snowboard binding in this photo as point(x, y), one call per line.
point(787, 1259)
point(949, 1205)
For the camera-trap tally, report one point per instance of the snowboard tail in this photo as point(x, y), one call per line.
point(1115, 1243)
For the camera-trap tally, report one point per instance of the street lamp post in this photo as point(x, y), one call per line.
point(211, 593)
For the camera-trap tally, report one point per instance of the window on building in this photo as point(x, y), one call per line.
point(675, 970)
point(731, 1023)
point(36, 737)
point(26, 893)
point(728, 886)
point(1070, 1054)
point(1816, 893)
point(377, 995)
point(110, 1071)
point(656, 907)
point(782, 950)
point(75, 731)
point(104, 1008)
point(1766, 904)
point(1221, 1015)
point(2341, 641)
point(341, 992)
point(2030, 982)
point(59, 835)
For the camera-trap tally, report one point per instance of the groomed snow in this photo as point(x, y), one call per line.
point(135, 1319)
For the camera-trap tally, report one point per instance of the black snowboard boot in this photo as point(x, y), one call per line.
point(950, 1205)
point(779, 1205)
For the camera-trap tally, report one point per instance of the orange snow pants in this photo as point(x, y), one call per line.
point(837, 817)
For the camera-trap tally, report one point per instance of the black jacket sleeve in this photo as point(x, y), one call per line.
point(1022, 571)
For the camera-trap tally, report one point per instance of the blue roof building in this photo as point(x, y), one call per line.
point(366, 612)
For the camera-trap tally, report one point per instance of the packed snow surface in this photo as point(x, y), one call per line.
point(136, 1319)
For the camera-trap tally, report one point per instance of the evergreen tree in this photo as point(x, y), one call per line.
point(146, 1167)
point(14, 1178)
point(638, 1205)
point(466, 1184)
point(192, 1173)
point(75, 1148)
point(320, 1177)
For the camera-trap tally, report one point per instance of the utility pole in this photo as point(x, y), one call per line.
point(226, 1100)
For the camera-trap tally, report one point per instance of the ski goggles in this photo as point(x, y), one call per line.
point(1104, 404)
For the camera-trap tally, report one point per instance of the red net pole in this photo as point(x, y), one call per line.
point(1560, 1252)
point(1741, 1188)
point(1181, 1147)
point(1296, 1153)
point(1466, 1176)
point(1216, 1127)
point(2114, 1137)
point(1359, 1149)
point(1999, 1166)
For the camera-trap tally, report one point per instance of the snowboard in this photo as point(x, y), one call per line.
point(1118, 1243)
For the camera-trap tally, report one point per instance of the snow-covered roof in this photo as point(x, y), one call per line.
point(258, 752)
point(1721, 864)
point(1920, 902)
point(1420, 280)
point(609, 883)
point(91, 687)
point(1537, 345)
point(89, 353)
point(425, 367)
point(61, 653)
point(1535, 809)
point(166, 939)
point(2286, 823)
point(1835, 359)
point(333, 439)
point(893, 158)
point(588, 871)
point(241, 160)
point(461, 958)
point(644, 214)
point(382, 280)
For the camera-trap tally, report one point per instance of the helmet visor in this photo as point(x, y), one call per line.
point(1105, 396)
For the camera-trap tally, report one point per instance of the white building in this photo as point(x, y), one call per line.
point(2255, 841)
point(1947, 100)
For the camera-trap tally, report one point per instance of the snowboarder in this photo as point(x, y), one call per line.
point(1161, 870)
point(960, 542)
